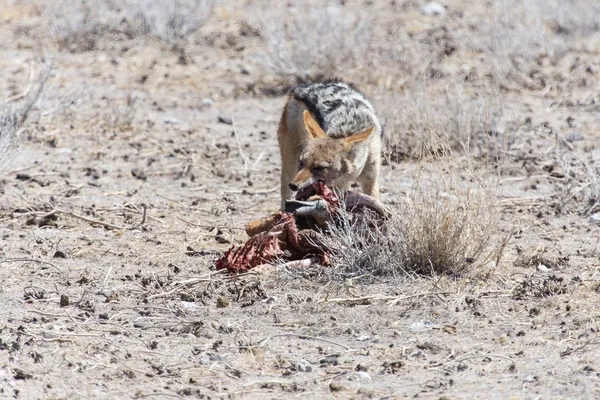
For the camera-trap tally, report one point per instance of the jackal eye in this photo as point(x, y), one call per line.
point(300, 164)
point(319, 168)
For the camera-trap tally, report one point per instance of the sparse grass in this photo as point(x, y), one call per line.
point(171, 22)
point(582, 174)
point(519, 32)
point(433, 231)
point(79, 25)
point(14, 113)
point(312, 44)
point(428, 122)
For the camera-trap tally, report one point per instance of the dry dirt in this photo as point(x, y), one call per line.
point(97, 301)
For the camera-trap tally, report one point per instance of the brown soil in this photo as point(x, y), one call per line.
point(109, 232)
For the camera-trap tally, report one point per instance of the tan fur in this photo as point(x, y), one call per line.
point(355, 158)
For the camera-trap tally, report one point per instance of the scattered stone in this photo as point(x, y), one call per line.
point(64, 300)
point(225, 120)
point(19, 374)
point(59, 254)
point(222, 302)
point(222, 239)
point(138, 174)
point(171, 121)
point(23, 177)
point(189, 305)
point(433, 8)
point(575, 136)
point(302, 366)
point(329, 360)
point(362, 338)
point(595, 218)
point(207, 102)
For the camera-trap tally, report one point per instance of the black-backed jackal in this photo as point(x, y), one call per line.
point(329, 132)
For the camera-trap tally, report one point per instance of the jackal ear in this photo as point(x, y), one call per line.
point(357, 138)
point(312, 127)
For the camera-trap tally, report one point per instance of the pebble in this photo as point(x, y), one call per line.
point(225, 120)
point(595, 218)
point(207, 102)
point(433, 8)
point(575, 136)
point(360, 376)
point(222, 302)
point(303, 366)
point(542, 268)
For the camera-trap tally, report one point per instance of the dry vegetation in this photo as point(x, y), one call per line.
point(137, 166)
point(434, 231)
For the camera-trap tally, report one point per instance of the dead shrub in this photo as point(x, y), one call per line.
point(77, 25)
point(171, 22)
point(14, 112)
point(437, 122)
point(315, 44)
point(434, 231)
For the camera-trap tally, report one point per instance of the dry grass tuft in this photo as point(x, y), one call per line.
point(582, 173)
point(434, 231)
point(308, 46)
point(520, 32)
point(456, 118)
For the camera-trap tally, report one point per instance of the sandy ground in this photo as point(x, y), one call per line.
point(96, 302)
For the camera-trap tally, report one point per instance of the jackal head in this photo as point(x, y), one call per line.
point(325, 159)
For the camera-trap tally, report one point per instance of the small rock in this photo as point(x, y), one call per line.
point(207, 102)
point(302, 366)
point(222, 302)
point(222, 239)
point(362, 338)
point(421, 326)
point(595, 218)
point(189, 305)
point(433, 8)
point(336, 387)
point(59, 254)
point(329, 360)
point(215, 357)
point(575, 136)
point(64, 300)
point(171, 121)
point(360, 376)
point(19, 374)
point(542, 268)
point(138, 174)
point(225, 120)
